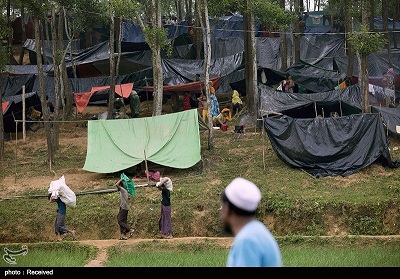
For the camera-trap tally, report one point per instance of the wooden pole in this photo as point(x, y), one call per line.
point(147, 169)
point(23, 114)
point(16, 150)
point(263, 138)
point(315, 108)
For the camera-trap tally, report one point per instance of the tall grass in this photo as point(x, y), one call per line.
point(293, 256)
point(48, 255)
point(297, 251)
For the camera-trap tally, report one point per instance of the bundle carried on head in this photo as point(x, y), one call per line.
point(128, 184)
point(167, 182)
point(59, 189)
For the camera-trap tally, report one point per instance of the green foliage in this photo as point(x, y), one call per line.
point(157, 36)
point(4, 57)
point(266, 12)
point(366, 42)
point(68, 254)
point(39, 8)
point(5, 32)
point(270, 14)
point(124, 8)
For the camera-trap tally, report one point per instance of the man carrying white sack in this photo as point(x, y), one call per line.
point(59, 224)
point(60, 193)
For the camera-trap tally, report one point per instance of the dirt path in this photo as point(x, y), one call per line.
point(103, 245)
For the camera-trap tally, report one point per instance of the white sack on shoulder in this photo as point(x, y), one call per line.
point(58, 188)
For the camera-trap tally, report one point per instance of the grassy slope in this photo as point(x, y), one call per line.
point(294, 203)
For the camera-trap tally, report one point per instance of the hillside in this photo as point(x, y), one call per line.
point(294, 203)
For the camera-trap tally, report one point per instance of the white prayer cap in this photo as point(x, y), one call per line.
point(244, 194)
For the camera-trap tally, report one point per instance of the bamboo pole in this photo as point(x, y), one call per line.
point(16, 151)
point(315, 108)
point(23, 114)
point(147, 169)
point(263, 137)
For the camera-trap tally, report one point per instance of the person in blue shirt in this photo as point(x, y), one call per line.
point(59, 224)
point(253, 245)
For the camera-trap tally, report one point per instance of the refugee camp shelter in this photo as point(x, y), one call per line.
point(171, 140)
point(325, 134)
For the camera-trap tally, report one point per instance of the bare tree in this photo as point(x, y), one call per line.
point(386, 30)
point(54, 126)
point(111, 95)
point(156, 38)
point(5, 31)
point(43, 95)
point(364, 43)
point(202, 14)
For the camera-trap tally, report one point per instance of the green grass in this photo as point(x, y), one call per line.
point(341, 257)
point(292, 257)
point(66, 254)
point(293, 203)
point(170, 259)
point(296, 252)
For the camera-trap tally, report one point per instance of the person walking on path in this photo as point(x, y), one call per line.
point(59, 224)
point(122, 217)
point(253, 245)
point(164, 222)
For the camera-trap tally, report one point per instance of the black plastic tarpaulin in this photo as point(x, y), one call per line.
point(325, 134)
point(391, 118)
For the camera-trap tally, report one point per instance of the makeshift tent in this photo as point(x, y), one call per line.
point(390, 117)
point(324, 133)
point(82, 99)
point(171, 140)
point(194, 87)
point(5, 106)
point(12, 110)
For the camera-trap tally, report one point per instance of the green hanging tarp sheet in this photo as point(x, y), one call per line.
point(171, 140)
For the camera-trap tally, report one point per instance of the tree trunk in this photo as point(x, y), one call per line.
point(157, 68)
point(386, 31)
point(350, 52)
point(2, 85)
point(197, 30)
point(38, 45)
point(111, 96)
point(283, 42)
point(66, 88)
point(119, 37)
point(23, 34)
point(204, 23)
point(396, 11)
point(54, 126)
point(250, 65)
point(297, 37)
point(363, 75)
point(158, 81)
point(372, 14)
